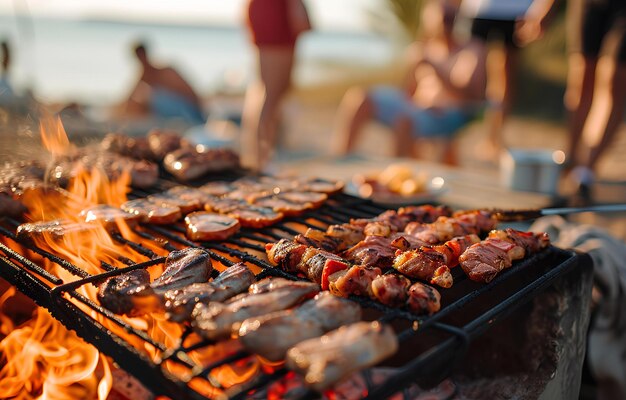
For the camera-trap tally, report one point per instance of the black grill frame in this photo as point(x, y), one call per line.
point(20, 272)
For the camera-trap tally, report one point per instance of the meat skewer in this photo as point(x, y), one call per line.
point(484, 260)
point(389, 289)
point(133, 294)
point(433, 263)
point(182, 268)
point(233, 280)
point(312, 319)
point(217, 320)
point(326, 360)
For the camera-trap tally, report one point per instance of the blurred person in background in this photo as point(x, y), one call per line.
point(6, 91)
point(596, 84)
point(274, 27)
point(495, 21)
point(444, 89)
point(162, 92)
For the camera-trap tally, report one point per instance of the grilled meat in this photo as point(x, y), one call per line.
point(233, 280)
point(135, 147)
point(423, 299)
point(55, 229)
point(255, 217)
point(182, 268)
point(326, 360)
point(312, 319)
point(192, 163)
point(282, 203)
point(108, 216)
point(312, 198)
point(163, 142)
point(320, 185)
point(285, 254)
point(356, 280)
point(374, 251)
point(446, 228)
point(391, 289)
point(169, 199)
point(191, 194)
point(129, 294)
point(152, 212)
point(484, 260)
point(217, 320)
point(433, 264)
point(206, 226)
point(319, 239)
point(218, 188)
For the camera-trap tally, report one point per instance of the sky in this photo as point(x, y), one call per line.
point(325, 14)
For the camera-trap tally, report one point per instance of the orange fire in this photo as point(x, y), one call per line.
point(41, 357)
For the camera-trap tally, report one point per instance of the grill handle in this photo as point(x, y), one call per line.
point(522, 215)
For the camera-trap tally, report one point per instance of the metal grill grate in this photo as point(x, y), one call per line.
point(467, 309)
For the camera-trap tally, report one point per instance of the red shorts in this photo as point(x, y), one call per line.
point(269, 24)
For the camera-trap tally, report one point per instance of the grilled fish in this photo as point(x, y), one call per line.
point(129, 294)
point(312, 319)
point(325, 360)
point(182, 268)
point(217, 321)
point(233, 280)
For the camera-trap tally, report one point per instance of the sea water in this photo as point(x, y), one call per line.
point(91, 61)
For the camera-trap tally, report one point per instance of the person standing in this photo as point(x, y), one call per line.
point(274, 27)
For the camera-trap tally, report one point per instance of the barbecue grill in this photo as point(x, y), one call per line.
point(468, 309)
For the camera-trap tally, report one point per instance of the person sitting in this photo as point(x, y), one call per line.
point(163, 93)
point(445, 83)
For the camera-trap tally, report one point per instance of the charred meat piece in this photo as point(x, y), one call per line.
point(108, 216)
point(218, 188)
point(529, 241)
point(326, 360)
point(319, 239)
point(152, 212)
point(135, 147)
point(129, 294)
point(356, 280)
point(182, 268)
point(320, 185)
point(55, 229)
point(168, 199)
point(484, 260)
point(279, 203)
point(347, 234)
point(206, 226)
point(374, 251)
point(285, 254)
point(163, 142)
point(233, 280)
point(433, 264)
point(312, 198)
point(217, 320)
point(143, 173)
point(255, 217)
point(391, 289)
point(313, 262)
point(269, 284)
point(192, 163)
point(423, 299)
point(191, 194)
point(312, 319)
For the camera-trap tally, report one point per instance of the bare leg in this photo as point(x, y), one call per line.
point(610, 97)
point(354, 111)
point(404, 138)
point(275, 72)
point(502, 70)
point(578, 100)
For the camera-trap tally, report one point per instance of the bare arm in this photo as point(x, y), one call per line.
point(464, 74)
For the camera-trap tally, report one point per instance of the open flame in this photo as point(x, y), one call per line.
point(41, 358)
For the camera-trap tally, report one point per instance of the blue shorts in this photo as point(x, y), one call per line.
point(390, 103)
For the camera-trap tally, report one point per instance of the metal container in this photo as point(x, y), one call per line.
point(532, 170)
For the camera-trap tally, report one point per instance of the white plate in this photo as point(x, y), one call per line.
point(436, 187)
